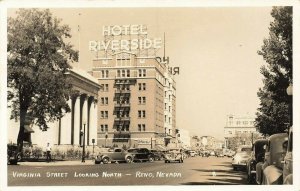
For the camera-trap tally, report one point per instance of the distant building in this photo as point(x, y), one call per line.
point(210, 143)
point(184, 138)
point(239, 127)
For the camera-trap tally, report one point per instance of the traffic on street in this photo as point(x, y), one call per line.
point(193, 171)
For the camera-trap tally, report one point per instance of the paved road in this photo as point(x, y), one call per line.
point(194, 171)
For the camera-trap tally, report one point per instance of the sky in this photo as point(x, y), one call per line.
point(215, 48)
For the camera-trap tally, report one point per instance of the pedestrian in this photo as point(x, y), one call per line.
point(48, 152)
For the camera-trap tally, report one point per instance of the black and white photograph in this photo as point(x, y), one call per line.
point(149, 95)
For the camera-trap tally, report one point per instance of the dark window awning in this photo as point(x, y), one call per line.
point(28, 129)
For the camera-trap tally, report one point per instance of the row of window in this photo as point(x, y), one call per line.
point(104, 127)
point(123, 73)
point(142, 87)
point(242, 122)
point(238, 132)
point(124, 100)
point(141, 114)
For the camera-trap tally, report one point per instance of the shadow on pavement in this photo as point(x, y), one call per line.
point(222, 177)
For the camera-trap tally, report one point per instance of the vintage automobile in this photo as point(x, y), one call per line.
point(288, 161)
point(13, 156)
point(192, 153)
point(114, 155)
point(271, 170)
point(158, 155)
point(257, 155)
point(141, 154)
point(241, 157)
point(174, 155)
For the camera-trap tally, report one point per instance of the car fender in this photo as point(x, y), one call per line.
point(272, 175)
point(288, 179)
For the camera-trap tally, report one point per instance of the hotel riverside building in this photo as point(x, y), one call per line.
point(136, 102)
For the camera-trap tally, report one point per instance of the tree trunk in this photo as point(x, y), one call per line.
point(20, 139)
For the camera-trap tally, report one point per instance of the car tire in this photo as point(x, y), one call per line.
point(235, 168)
point(129, 159)
point(166, 161)
point(105, 160)
point(151, 159)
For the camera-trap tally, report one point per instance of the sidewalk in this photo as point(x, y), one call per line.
point(57, 163)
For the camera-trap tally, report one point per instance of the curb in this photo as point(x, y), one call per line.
point(56, 163)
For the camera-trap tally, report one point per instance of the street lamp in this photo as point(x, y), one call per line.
point(289, 91)
point(83, 144)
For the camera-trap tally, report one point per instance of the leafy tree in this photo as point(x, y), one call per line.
point(273, 113)
point(38, 59)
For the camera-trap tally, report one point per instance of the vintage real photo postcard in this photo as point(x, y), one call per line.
point(150, 96)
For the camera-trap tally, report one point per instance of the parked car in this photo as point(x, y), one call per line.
point(114, 155)
point(288, 161)
point(192, 153)
point(241, 157)
point(275, 152)
point(174, 155)
point(212, 153)
point(141, 154)
point(257, 155)
point(158, 155)
point(13, 155)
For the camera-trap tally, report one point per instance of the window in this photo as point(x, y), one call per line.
point(142, 100)
point(238, 122)
point(165, 118)
point(123, 73)
point(245, 122)
point(230, 132)
point(141, 127)
point(118, 73)
point(104, 127)
point(128, 73)
point(169, 108)
point(165, 106)
point(141, 113)
point(106, 87)
point(142, 86)
point(104, 100)
point(104, 114)
point(142, 72)
point(104, 73)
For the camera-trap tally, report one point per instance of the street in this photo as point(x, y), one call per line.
point(194, 171)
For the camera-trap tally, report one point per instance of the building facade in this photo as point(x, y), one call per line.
point(137, 102)
point(68, 131)
point(136, 107)
point(241, 127)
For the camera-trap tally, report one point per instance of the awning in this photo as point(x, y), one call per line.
point(28, 129)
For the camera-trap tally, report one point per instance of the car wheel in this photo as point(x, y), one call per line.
point(151, 159)
point(234, 168)
point(166, 161)
point(128, 159)
point(105, 160)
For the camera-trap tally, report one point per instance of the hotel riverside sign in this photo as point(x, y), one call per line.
point(125, 44)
